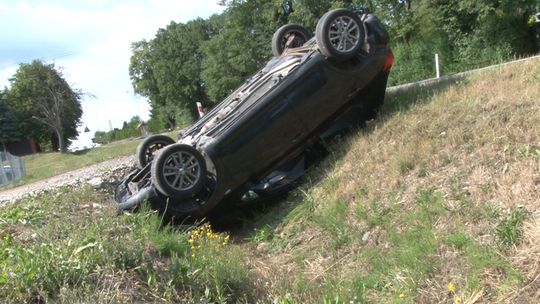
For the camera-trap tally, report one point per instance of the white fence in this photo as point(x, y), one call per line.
point(11, 169)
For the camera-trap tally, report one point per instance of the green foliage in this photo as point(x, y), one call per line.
point(262, 234)
point(458, 240)
point(8, 127)
point(466, 35)
point(414, 61)
point(333, 220)
point(414, 241)
point(510, 229)
point(241, 46)
point(69, 247)
point(167, 70)
point(480, 258)
point(46, 108)
point(101, 137)
point(529, 151)
point(205, 60)
point(129, 129)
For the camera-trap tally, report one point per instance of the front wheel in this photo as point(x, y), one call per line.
point(179, 171)
point(340, 34)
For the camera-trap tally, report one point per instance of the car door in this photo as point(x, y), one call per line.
point(260, 138)
point(308, 98)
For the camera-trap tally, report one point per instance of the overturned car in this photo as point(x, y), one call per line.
point(258, 141)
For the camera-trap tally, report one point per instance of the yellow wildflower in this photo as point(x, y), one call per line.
point(402, 296)
point(451, 287)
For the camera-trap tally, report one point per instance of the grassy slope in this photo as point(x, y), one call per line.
point(432, 193)
point(45, 165)
point(436, 201)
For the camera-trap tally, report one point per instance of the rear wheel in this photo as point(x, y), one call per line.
point(147, 149)
point(288, 36)
point(340, 34)
point(179, 171)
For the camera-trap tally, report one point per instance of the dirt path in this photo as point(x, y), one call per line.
point(94, 175)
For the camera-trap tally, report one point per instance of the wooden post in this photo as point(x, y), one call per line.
point(200, 109)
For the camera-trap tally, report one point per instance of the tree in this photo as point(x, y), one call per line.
point(167, 71)
point(45, 106)
point(205, 60)
point(129, 129)
point(101, 137)
point(240, 46)
point(8, 128)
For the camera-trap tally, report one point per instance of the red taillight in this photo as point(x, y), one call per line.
point(389, 62)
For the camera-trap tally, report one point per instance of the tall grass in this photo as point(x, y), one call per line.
point(72, 247)
point(434, 202)
point(435, 193)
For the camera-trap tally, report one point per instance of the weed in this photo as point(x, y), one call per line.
point(406, 164)
point(333, 220)
point(458, 240)
point(381, 233)
point(262, 234)
point(510, 229)
point(84, 250)
point(529, 151)
point(21, 214)
point(374, 214)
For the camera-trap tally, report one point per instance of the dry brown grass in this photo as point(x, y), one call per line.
point(473, 142)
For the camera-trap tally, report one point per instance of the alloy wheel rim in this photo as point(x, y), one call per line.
point(344, 34)
point(181, 171)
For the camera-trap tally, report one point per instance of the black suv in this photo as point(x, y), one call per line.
point(258, 141)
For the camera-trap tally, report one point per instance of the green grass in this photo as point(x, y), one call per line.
point(72, 247)
point(434, 202)
point(44, 165)
point(418, 200)
point(510, 230)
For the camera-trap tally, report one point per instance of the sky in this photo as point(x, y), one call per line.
point(89, 42)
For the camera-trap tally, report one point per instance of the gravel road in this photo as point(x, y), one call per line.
point(94, 175)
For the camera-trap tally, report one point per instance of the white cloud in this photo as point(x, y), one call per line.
point(90, 40)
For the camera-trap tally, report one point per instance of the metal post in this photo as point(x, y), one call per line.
point(15, 168)
point(3, 176)
point(438, 71)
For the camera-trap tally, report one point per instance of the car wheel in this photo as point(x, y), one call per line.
point(283, 34)
point(178, 171)
point(147, 148)
point(340, 34)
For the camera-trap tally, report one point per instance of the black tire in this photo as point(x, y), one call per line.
point(340, 34)
point(281, 36)
point(147, 148)
point(178, 171)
